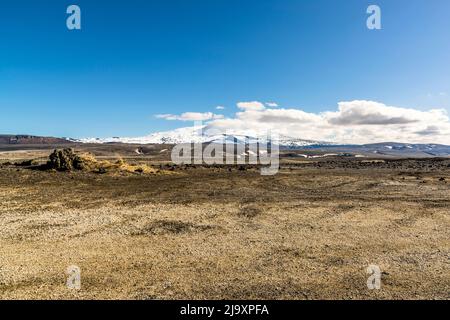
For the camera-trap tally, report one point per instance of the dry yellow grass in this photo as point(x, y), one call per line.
point(90, 163)
point(124, 166)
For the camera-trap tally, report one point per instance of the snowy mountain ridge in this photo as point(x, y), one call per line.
point(200, 135)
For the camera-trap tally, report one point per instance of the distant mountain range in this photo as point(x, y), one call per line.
point(389, 149)
point(198, 135)
point(29, 140)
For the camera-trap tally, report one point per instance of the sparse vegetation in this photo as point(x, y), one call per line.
point(69, 160)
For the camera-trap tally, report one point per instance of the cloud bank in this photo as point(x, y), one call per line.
point(190, 116)
point(356, 122)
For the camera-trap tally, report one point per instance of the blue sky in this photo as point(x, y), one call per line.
point(135, 59)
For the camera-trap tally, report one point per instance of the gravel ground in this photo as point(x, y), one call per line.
point(309, 232)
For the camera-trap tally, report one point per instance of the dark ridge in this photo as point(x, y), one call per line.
point(23, 139)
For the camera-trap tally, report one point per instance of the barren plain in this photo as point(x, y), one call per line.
point(196, 232)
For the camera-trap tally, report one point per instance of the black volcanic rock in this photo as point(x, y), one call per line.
point(66, 160)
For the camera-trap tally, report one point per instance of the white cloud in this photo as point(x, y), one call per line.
point(357, 122)
point(430, 130)
point(220, 108)
point(354, 122)
point(253, 105)
point(371, 113)
point(190, 116)
point(272, 105)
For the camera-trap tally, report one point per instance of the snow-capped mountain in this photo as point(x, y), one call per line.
point(202, 135)
point(290, 142)
point(182, 135)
